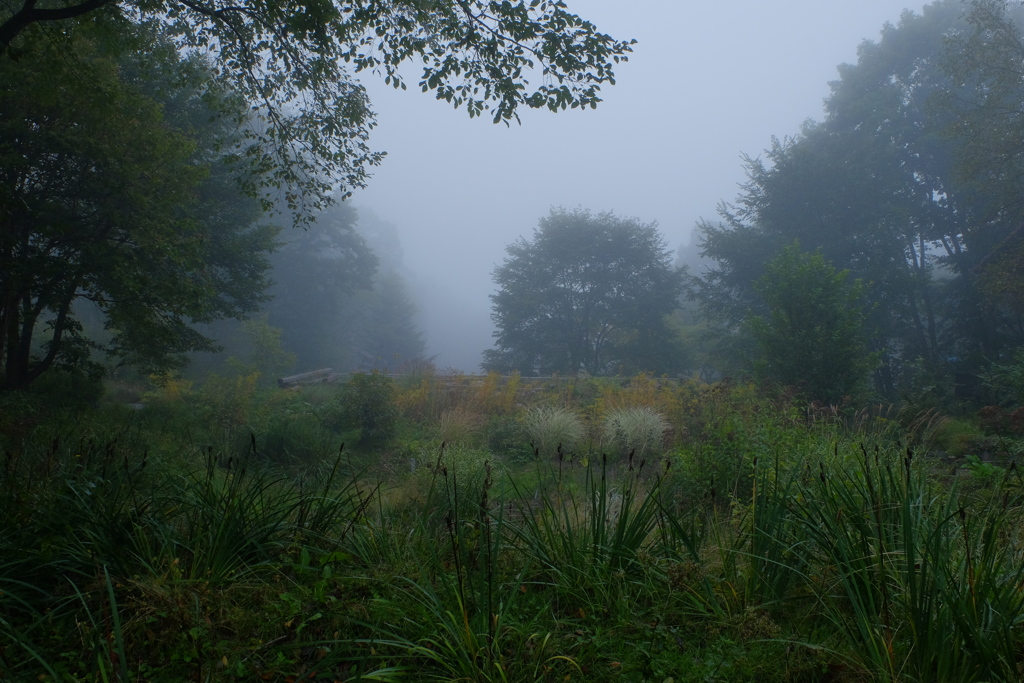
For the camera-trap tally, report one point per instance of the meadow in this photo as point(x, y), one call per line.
point(444, 528)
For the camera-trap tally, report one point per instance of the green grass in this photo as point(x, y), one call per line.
point(134, 546)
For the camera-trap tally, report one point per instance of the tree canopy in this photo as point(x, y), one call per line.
point(337, 303)
point(989, 128)
point(112, 200)
point(586, 293)
point(881, 188)
point(141, 142)
point(294, 62)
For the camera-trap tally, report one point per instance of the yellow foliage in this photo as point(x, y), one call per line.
point(459, 425)
point(170, 387)
point(641, 391)
point(486, 392)
point(508, 396)
point(457, 404)
point(435, 395)
point(414, 402)
point(496, 394)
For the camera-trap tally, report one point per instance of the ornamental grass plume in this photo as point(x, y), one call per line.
point(548, 427)
point(639, 430)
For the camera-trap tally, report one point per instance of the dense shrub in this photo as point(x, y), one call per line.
point(1006, 380)
point(506, 436)
point(366, 403)
point(68, 390)
point(295, 440)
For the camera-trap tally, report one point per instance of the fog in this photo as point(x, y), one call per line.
point(706, 83)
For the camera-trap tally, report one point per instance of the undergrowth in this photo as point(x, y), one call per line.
point(764, 542)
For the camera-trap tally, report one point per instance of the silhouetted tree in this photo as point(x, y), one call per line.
point(115, 191)
point(988, 127)
point(383, 332)
point(316, 273)
point(876, 188)
point(587, 293)
point(335, 302)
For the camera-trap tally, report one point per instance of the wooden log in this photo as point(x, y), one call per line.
point(311, 377)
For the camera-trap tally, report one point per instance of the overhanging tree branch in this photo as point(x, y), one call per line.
point(29, 14)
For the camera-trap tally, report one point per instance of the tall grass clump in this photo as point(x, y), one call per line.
point(295, 442)
point(585, 535)
point(459, 425)
point(774, 543)
point(639, 430)
point(88, 529)
point(550, 428)
point(923, 584)
point(464, 464)
point(454, 617)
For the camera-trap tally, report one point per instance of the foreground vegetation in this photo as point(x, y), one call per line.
point(226, 534)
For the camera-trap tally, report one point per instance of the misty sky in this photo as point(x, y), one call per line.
point(706, 82)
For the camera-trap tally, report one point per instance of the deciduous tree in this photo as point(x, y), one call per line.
point(111, 200)
point(587, 293)
point(988, 127)
point(875, 186)
point(294, 61)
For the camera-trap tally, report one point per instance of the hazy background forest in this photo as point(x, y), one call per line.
point(903, 185)
point(702, 87)
point(896, 182)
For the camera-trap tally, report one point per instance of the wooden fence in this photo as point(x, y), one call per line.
point(328, 376)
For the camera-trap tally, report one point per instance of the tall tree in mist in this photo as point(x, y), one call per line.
point(876, 188)
point(338, 303)
point(115, 193)
point(316, 273)
point(382, 332)
point(988, 127)
point(587, 293)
